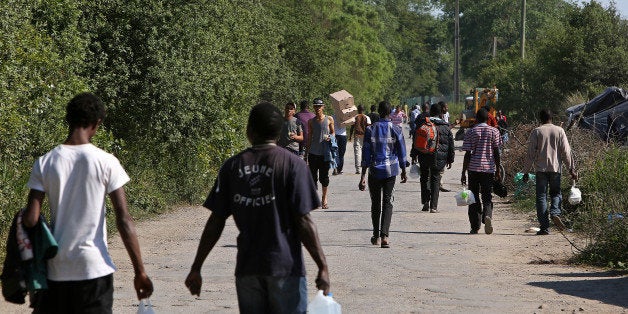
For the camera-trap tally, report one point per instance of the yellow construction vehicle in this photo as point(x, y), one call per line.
point(480, 97)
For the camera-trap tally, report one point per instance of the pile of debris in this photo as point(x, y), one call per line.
point(606, 114)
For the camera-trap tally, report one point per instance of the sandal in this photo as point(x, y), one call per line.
point(325, 206)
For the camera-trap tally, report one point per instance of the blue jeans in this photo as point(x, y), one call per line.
point(542, 181)
point(267, 294)
point(341, 140)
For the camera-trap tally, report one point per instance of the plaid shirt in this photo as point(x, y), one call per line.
point(480, 142)
point(384, 149)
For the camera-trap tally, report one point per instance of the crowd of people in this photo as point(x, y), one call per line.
point(270, 189)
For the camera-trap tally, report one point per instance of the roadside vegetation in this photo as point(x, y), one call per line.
point(179, 77)
point(600, 219)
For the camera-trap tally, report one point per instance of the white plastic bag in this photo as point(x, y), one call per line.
point(414, 171)
point(575, 196)
point(145, 307)
point(464, 197)
point(322, 304)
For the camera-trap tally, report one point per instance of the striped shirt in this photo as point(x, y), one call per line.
point(480, 142)
point(397, 117)
point(384, 149)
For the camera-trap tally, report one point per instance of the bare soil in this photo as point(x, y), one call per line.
point(433, 266)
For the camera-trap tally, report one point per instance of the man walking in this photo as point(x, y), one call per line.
point(357, 131)
point(340, 130)
point(304, 116)
point(291, 131)
point(77, 176)
point(384, 154)
point(321, 130)
point(270, 194)
point(482, 160)
point(373, 115)
point(548, 149)
point(432, 165)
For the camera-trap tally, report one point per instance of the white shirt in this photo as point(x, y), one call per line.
point(77, 179)
point(446, 116)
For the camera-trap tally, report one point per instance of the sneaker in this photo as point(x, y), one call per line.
point(433, 210)
point(426, 207)
point(488, 225)
point(385, 243)
point(558, 223)
point(542, 232)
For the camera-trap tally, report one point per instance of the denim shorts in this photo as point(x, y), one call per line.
point(267, 294)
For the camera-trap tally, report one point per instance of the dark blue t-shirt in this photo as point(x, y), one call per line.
point(265, 188)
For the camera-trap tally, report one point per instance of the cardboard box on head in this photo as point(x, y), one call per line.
point(344, 107)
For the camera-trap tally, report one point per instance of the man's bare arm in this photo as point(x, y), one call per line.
point(309, 236)
point(211, 234)
point(126, 227)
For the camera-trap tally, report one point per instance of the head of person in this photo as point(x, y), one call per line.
point(373, 108)
point(397, 108)
point(546, 115)
point(482, 115)
point(289, 109)
point(360, 109)
point(384, 108)
point(264, 125)
point(425, 107)
point(435, 110)
point(303, 104)
point(84, 110)
point(443, 107)
point(318, 105)
point(487, 108)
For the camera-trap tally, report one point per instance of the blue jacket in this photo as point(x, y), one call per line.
point(330, 152)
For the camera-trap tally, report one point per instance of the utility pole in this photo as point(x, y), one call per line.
point(523, 29)
point(457, 54)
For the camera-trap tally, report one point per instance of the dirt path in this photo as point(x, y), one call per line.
point(433, 265)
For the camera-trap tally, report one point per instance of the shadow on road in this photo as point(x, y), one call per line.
point(609, 291)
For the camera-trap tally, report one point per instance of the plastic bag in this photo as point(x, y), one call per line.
point(464, 197)
point(145, 307)
point(322, 304)
point(575, 196)
point(414, 171)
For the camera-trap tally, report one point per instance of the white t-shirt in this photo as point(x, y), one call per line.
point(77, 179)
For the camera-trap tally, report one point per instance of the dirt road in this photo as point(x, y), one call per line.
point(433, 265)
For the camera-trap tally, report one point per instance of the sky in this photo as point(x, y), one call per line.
point(621, 5)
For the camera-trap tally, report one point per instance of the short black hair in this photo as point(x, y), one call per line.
point(435, 110)
point(360, 108)
point(83, 110)
point(290, 105)
point(546, 115)
point(265, 121)
point(303, 104)
point(383, 108)
point(482, 115)
point(373, 108)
